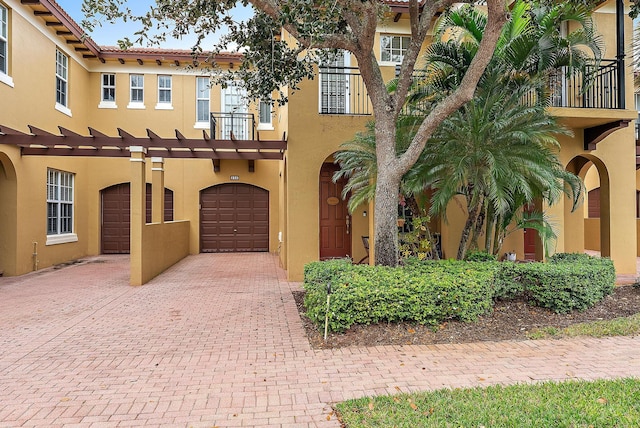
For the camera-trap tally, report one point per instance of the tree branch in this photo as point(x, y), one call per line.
point(497, 16)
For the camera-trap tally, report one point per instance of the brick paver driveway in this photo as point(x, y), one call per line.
point(216, 341)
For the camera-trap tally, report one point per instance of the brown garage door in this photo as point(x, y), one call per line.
point(116, 220)
point(234, 217)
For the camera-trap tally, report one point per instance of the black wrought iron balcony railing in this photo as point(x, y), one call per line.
point(596, 87)
point(232, 126)
point(342, 91)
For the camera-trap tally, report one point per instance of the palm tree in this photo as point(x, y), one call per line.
point(498, 150)
point(499, 153)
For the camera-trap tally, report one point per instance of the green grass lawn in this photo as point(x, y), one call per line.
point(626, 326)
point(598, 404)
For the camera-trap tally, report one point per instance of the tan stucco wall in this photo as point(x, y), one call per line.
point(592, 234)
point(313, 138)
point(164, 245)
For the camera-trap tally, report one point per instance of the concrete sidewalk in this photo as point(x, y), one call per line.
point(217, 341)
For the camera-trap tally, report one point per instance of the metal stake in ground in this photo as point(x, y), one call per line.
point(326, 317)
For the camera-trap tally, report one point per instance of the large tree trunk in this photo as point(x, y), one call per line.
point(386, 221)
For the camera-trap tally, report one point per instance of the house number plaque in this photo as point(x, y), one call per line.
point(332, 200)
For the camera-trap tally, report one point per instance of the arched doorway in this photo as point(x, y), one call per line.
point(116, 217)
point(589, 227)
point(234, 217)
point(8, 216)
point(335, 222)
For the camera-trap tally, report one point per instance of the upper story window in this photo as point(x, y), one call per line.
point(60, 206)
point(334, 85)
point(203, 96)
point(393, 48)
point(264, 115)
point(164, 92)
point(137, 91)
point(108, 91)
point(62, 64)
point(4, 40)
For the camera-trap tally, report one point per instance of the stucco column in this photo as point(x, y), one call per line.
point(157, 192)
point(138, 212)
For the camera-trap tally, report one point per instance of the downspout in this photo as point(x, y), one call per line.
point(35, 256)
point(620, 53)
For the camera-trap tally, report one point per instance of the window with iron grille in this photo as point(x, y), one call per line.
point(59, 202)
point(61, 78)
point(334, 84)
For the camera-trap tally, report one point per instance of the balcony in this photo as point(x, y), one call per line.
point(342, 91)
point(232, 126)
point(575, 91)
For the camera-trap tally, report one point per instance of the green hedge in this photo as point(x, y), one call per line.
point(430, 292)
point(427, 293)
point(567, 282)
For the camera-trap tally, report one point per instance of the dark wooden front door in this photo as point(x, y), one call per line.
point(234, 217)
point(116, 216)
point(335, 238)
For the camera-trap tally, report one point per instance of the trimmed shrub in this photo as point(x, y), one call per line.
point(427, 293)
point(508, 282)
point(567, 282)
point(430, 292)
point(480, 256)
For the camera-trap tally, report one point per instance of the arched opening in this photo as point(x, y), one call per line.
point(234, 217)
point(8, 216)
point(589, 228)
point(115, 204)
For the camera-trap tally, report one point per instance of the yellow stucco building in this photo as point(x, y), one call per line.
point(104, 151)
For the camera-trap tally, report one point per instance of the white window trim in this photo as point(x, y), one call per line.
point(4, 75)
point(64, 108)
point(6, 79)
point(61, 239)
point(264, 126)
point(203, 124)
point(136, 105)
point(163, 105)
point(388, 63)
point(106, 103)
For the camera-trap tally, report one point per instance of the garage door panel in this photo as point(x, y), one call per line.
point(241, 219)
point(116, 216)
point(244, 217)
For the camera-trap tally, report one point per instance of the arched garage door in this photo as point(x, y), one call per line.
point(116, 217)
point(234, 217)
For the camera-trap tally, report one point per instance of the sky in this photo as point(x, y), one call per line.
point(109, 34)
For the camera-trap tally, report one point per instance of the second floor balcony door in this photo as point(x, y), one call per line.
point(234, 107)
point(334, 85)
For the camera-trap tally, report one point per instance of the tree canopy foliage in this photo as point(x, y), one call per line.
point(318, 27)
